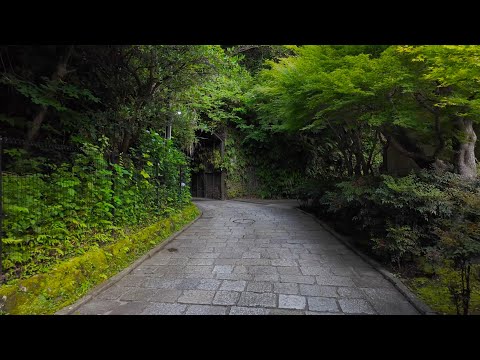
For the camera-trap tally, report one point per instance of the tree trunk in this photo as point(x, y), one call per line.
point(37, 123)
point(126, 143)
point(360, 164)
point(464, 155)
point(59, 74)
point(348, 162)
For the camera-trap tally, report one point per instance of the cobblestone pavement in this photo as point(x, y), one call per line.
point(251, 259)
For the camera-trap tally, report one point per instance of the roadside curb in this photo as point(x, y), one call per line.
point(68, 310)
point(418, 304)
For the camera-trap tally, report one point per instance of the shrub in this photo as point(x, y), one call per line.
point(419, 216)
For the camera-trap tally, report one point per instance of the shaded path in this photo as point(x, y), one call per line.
point(245, 258)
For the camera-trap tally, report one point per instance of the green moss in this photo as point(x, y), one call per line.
point(434, 292)
point(69, 280)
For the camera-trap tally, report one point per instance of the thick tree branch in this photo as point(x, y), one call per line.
point(133, 73)
point(245, 48)
point(413, 155)
point(423, 101)
point(372, 151)
point(59, 73)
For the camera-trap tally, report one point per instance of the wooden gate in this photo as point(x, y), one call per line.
point(207, 185)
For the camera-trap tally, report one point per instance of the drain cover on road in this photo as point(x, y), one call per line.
point(244, 221)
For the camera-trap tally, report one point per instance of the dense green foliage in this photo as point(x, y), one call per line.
point(79, 205)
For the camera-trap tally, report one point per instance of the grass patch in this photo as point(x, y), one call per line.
point(68, 281)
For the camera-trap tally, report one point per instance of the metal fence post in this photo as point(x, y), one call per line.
point(114, 205)
point(180, 185)
point(157, 186)
point(1, 210)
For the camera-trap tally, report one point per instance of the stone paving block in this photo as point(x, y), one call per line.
point(251, 255)
point(308, 256)
point(157, 260)
point(206, 310)
point(240, 269)
point(230, 255)
point(208, 284)
point(318, 290)
point(226, 298)
point(365, 271)
point(351, 292)
point(133, 280)
point(334, 280)
point(188, 284)
point(200, 261)
point(322, 313)
point(270, 278)
point(145, 270)
point(315, 270)
point(285, 288)
point(384, 301)
point(129, 308)
point(321, 304)
point(343, 271)
point(170, 269)
point(198, 269)
point(300, 279)
point(219, 247)
point(233, 285)
point(256, 262)
point(239, 310)
point(200, 255)
point(291, 302)
point(356, 306)
point(197, 297)
point(284, 262)
point(166, 296)
point(200, 276)
point(113, 292)
point(262, 270)
point(224, 276)
point(371, 282)
point(164, 309)
point(226, 261)
point(284, 270)
point(178, 261)
point(257, 299)
point(309, 262)
point(97, 307)
point(259, 286)
point(384, 294)
point(269, 256)
point(162, 283)
point(138, 294)
point(284, 312)
point(225, 269)
point(292, 246)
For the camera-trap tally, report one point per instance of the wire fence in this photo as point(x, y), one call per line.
point(58, 201)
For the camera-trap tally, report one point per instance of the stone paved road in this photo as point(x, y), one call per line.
point(246, 259)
